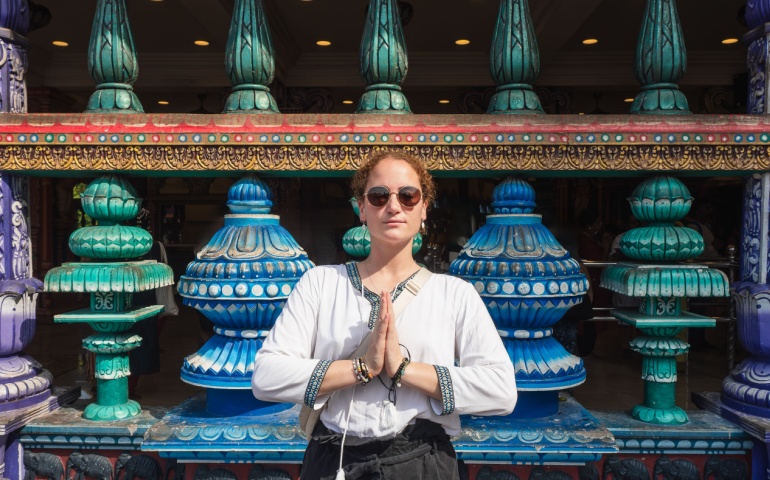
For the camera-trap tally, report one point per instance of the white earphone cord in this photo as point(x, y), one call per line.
point(340, 471)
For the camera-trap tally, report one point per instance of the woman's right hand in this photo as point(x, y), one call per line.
point(375, 355)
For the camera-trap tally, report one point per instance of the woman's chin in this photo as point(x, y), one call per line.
point(396, 238)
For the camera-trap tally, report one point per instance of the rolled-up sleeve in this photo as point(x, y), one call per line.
point(482, 382)
point(285, 370)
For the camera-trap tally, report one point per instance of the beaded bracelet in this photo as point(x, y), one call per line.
point(396, 380)
point(362, 371)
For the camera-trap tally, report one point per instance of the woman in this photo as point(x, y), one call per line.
point(397, 431)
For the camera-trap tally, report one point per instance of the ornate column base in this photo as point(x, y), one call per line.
point(660, 416)
point(108, 413)
point(251, 98)
point(111, 345)
point(114, 98)
point(383, 98)
point(659, 347)
point(515, 98)
point(23, 383)
point(746, 388)
point(660, 99)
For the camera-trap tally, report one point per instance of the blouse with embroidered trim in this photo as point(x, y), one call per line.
point(446, 325)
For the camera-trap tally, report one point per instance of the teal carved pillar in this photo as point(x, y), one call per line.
point(112, 60)
point(661, 61)
point(514, 60)
point(111, 281)
point(250, 60)
point(662, 285)
point(383, 60)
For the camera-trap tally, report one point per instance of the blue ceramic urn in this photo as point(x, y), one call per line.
point(240, 281)
point(527, 281)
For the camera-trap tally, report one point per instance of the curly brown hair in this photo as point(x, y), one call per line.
point(427, 186)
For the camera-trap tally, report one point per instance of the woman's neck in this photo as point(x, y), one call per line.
point(389, 267)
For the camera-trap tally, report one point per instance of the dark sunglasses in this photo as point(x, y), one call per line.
point(407, 196)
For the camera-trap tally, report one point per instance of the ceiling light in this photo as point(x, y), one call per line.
point(443, 101)
point(729, 41)
point(629, 100)
point(590, 41)
point(462, 41)
point(162, 102)
point(323, 43)
point(156, 0)
point(60, 43)
point(346, 102)
point(201, 43)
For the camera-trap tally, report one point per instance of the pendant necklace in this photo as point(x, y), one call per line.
point(368, 274)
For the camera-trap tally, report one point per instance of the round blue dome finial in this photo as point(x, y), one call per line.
point(513, 196)
point(250, 195)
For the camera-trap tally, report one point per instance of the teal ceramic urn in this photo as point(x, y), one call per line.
point(528, 281)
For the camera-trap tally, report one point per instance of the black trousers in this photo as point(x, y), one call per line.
point(421, 452)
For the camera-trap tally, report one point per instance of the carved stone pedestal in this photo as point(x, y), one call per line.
point(707, 446)
point(66, 442)
point(753, 426)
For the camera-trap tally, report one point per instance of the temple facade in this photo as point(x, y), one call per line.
point(246, 267)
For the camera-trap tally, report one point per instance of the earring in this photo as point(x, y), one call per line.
point(423, 230)
point(363, 224)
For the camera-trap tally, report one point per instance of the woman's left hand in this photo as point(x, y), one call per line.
point(393, 356)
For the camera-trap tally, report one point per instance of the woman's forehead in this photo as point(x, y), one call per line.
point(391, 169)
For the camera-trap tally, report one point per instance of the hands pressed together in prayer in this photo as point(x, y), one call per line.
point(384, 352)
point(383, 356)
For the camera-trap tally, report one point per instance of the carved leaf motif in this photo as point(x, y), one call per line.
point(515, 56)
point(250, 53)
point(251, 243)
point(661, 56)
point(383, 48)
point(515, 243)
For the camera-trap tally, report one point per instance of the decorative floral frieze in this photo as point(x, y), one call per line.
point(597, 159)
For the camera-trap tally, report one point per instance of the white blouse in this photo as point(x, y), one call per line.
point(445, 325)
